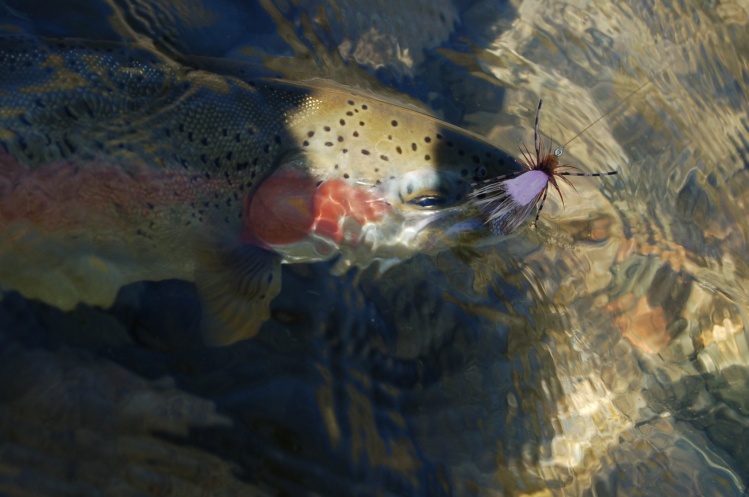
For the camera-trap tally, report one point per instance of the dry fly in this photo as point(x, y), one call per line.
point(510, 198)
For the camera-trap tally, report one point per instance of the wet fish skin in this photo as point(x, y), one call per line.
point(170, 158)
point(163, 152)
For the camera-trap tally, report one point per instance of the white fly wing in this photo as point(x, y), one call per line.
point(504, 214)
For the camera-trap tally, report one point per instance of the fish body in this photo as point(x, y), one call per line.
point(119, 166)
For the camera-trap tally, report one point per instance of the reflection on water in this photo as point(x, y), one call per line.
point(603, 353)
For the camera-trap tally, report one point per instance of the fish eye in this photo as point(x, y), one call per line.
point(427, 189)
point(429, 200)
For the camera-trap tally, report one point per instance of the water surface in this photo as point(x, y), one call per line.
point(602, 353)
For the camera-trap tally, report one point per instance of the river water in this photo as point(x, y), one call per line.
point(604, 352)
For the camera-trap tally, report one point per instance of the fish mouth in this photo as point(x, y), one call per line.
point(457, 225)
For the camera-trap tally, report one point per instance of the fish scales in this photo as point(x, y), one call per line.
point(65, 100)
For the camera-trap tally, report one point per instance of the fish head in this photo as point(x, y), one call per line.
point(372, 179)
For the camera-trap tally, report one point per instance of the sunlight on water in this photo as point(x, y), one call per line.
point(604, 352)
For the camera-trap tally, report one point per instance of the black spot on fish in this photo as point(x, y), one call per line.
point(399, 150)
point(255, 161)
point(326, 128)
point(349, 113)
point(225, 132)
point(384, 157)
point(413, 147)
point(277, 139)
point(305, 143)
point(336, 166)
point(364, 107)
point(377, 169)
point(189, 136)
point(378, 182)
point(345, 150)
point(266, 148)
point(340, 139)
point(229, 155)
point(361, 123)
point(241, 166)
point(351, 102)
point(427, 139)
point(449, 143)
point(149, 205)
point(343, 122)
point(237, 137)
point(345, 175)
point(310, 133)
point(410, 188)
point(204, 159)
point(365, 151)
point(394, 123)
point(356, 133)
point(217, 162)
point(427, 157)
point(328, 144)
point(167, 132)
point(439, 136)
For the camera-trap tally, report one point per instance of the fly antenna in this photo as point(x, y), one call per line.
point(536, 138)
point(540, 206)
point(607, 173)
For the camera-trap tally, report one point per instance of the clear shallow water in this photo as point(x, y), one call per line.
point(604, 353)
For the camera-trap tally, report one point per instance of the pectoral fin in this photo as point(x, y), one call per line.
point(237, 283)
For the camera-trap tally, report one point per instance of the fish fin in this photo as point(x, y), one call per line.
point(237, 282)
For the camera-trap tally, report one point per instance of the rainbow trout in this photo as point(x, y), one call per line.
point(118, 166)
